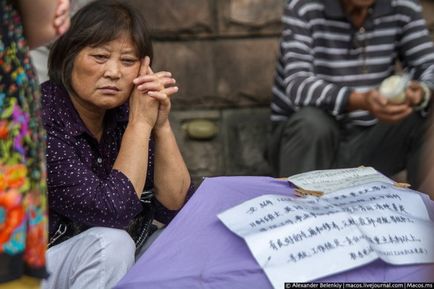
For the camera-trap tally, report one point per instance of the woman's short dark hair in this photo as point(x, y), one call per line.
point(97, 23)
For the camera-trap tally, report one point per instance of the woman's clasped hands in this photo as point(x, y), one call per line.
point(150, 99)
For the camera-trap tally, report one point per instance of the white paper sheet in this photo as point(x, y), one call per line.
point(302, 239)
point(328, 181)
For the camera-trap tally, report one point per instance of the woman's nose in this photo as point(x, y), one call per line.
point(112, 70)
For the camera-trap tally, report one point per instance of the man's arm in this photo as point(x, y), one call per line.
point(417, 51)
point(303, 86)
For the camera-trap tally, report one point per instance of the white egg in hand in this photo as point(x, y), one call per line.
point(394, 88)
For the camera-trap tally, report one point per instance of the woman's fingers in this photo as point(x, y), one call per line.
point(156, 85)
point(150, 71)
point(150, 86)
point(163, 97)
point(148, 78)
point(151, 77)
point(169, 91)
point(164, 94)
point(161, 74)
point(143, 68)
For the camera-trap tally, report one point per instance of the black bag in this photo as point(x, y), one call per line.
point(140, 228)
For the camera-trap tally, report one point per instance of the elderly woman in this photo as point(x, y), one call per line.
point(109, 139)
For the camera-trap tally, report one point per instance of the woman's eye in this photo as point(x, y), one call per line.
point(100, 57)
point(128, 61)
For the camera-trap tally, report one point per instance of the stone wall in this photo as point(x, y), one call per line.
point(222, 53)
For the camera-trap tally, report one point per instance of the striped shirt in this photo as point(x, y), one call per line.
point(324, 58)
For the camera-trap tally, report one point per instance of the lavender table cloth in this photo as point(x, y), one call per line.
point(197, 251)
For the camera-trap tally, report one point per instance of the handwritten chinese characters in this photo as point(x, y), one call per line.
point(328, 181)
point(294, 239)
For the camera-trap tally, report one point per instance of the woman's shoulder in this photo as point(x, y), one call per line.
point(52, 93)
point(49, 99)
point(54, 106)
point(50, 86)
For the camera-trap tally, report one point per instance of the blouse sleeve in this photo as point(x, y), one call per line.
point(164, 215)
point(76, 192)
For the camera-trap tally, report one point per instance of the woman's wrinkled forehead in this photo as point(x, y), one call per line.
point(124, 39)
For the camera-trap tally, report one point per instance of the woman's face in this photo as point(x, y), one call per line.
point(102, 76)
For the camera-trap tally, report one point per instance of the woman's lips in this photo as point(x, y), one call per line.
point(109, 89)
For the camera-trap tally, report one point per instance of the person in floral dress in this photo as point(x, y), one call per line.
point(23, 218)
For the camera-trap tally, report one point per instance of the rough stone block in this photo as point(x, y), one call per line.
point(191, 63)
point(219, 74)
point(203, 158)
point(177, 17)
point(250, 17)
point(245, 133)
point(245, 71)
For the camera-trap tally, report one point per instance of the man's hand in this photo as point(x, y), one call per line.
point(414, 93)
point(385, 111)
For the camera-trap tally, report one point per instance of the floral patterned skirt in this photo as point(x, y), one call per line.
point(23, 219)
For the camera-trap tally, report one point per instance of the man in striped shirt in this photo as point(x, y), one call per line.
point(326, 108)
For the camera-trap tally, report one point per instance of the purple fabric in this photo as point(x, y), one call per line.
point(82, 186)
point(197, 251)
